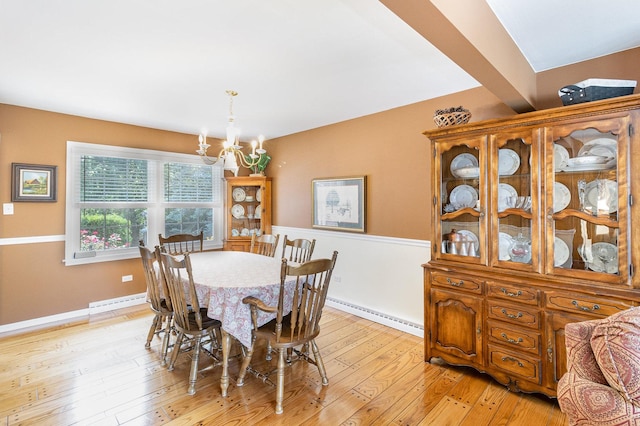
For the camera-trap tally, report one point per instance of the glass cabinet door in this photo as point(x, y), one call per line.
point(514, 181)
point(246, 211)
point(587, 229)
point(460, 218)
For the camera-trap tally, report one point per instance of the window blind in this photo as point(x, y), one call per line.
point(113, 179)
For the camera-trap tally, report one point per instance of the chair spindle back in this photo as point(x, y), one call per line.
point(181, 243)
point(265, 244)
point(182, 289)
point(299, 250)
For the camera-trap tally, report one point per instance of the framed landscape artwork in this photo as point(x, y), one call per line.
point(32, 182)
point(339, 203)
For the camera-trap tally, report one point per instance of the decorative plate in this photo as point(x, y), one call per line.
point(560, 157)
point(588, 160)
point(590, 167)
point(259, 194)
point(237, 211)
point(505, 240)
point(560, 252)
point(468, 172)
point(463, 196)
point(607, 201)
point(605, 258)
point(604, 147)
point(462, 161)
point(508, 161)
point(561, 197)
point(238, 194)
point(258, 213)
point(507, 196)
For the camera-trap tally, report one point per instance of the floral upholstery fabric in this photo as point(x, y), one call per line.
point(616, 345)
point(602, 383)
point(580, 356)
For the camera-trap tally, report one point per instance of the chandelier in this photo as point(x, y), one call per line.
point(231, 153)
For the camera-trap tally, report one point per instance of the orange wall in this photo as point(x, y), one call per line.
point(33, 280)
point(387, 147)
point(623, 65)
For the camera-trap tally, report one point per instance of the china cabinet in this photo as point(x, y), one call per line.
point(248, 210)
point(533, 228)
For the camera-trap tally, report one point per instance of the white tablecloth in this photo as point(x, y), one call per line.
point(223, 278)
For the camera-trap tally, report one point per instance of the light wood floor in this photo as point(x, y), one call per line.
point(97, 372)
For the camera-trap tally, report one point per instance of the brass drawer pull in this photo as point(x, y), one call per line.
point(585, 308)
point(508, 358)
point(455, 284)
point(507, 293)
point(512, 316)
point(514, 341)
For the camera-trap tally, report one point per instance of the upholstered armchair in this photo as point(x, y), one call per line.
point(602, 383)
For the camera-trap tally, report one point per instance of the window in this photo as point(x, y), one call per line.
point(118, 196)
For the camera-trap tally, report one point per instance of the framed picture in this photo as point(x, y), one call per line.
point(339, 203)
point(32, 182)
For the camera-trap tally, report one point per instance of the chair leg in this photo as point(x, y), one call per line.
point(176, 351)
point(165, 340)
point(193, 375)
point(245, 364)
point(280, 381)
point(215, 342)
point(152, 331)
point(319, 363)
point(269, 350)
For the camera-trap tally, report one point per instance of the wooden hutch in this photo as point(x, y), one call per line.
point(533, 228)
point(248, 210)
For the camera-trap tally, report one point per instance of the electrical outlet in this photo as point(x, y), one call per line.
point(127, 278)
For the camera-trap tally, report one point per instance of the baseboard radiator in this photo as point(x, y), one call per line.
point(94, 308)
point(379, 317)
point(117, 303)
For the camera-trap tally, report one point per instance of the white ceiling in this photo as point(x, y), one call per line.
point(555, 33)
point(297, 64)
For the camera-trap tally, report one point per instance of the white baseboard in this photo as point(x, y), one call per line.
point(94, 308)
point(378, 317)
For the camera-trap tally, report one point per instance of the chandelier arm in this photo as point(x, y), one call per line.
point(209, 161)
point(245, 163)
point(239, 155)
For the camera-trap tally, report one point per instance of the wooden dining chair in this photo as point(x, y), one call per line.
point(159, 302)
point(181, 243)
point(190, 320)
point(297, 328)
point(265, 244)
point(298, 250)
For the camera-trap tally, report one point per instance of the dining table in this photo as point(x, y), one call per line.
point(222, 280)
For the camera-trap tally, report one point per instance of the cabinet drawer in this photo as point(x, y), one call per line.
point(512, 292)
point(586, 305)
point(457, 282)
point(520, 315)
point(517, 338)
point(516, 364)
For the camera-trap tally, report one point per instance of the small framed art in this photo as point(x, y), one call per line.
point(33, 182)
point(339, 203)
